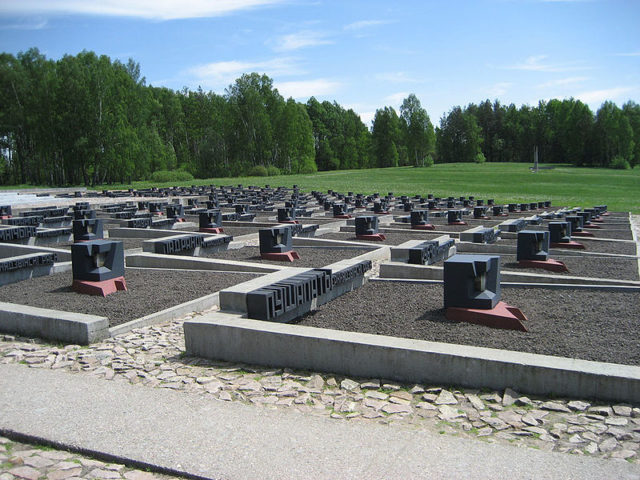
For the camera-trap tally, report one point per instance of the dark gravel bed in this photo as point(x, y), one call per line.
point(600, 246)
point(587, 266)
point(599, 326)
point(309, 257)
point(149, 291)
point(391, 238)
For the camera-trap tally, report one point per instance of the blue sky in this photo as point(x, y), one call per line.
point(365, 54)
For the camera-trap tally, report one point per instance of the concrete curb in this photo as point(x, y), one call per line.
point(67, 327)
point(154, 260)
point(433, 272)
point(231, 337)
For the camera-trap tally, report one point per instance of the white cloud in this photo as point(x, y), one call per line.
point(499, 89)
point(365, 24)
point(221, 74)
point(150, 9)
point(396, 98)
point(395, 77)
point(535, 63)
point(562, 82)
point(629, 54)
point(367, 117)
point(599, 96)
point(306, 38)
point(33, 24)
point(307, 88)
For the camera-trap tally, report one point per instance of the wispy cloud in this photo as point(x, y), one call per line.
point(150, 9)
point(629, 54)
point(599, 96)
point(32, 24)
point(220, 74)
point(499, 89)
point(537, 63)
point(562, 82)
point(395, 77)
point(396, 98)
point(305, 38)
point(365, 24)
point(307, 88)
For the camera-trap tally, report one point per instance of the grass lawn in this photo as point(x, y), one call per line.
point(504, 182)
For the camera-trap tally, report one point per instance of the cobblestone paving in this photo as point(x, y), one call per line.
point(26, 462)
point(153, 356)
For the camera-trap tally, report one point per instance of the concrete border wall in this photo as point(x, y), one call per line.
point(66, 327)
point(230, 337)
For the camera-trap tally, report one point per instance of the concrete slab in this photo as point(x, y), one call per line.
point(67, 327)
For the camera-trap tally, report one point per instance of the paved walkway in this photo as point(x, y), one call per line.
point(189, 433)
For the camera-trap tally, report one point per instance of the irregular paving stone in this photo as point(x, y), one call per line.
point(603, 411)
point(426, 406)
point(392, 408)
point(375, 394)
point(608, 445)
point(622, 410)
point(509, 397)
point(512, 418)
point(578, 405)
point(348, 384)
point(38, 462)
point(496, 423)
point(538, 430)
point(430, 397)
point(623, 454)
point(375, 404)
point(446, 398)
point(402, 394)
point(617, 421)
point(530, 420)
point(475, 401)
point(449, 413)
point(64, 474)
point(483, 432)
point(576, 439)
point(619, 433)
point(370, 385)
point(555, 407)
point(416, 390)
point(25, 472)
point(316, 382)
point(591, 448)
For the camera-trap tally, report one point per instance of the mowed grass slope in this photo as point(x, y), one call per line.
point(504, 182)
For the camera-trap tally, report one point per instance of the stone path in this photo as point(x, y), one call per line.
point(153, 357)
point(22, 461)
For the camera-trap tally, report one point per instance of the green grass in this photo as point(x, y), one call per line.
point(504, 182)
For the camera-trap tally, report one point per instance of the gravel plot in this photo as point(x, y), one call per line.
point(392, 238)
point(148, 291)
point(309, 257)
point(600, 326)
point(594, 267)
point(618, 233)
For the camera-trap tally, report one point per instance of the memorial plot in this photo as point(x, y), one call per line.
point(560, 236)
point(89, 229)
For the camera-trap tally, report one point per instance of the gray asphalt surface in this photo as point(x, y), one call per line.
point(189, 433)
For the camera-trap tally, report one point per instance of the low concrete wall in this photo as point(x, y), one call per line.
point(67, 327)
point(230, 337)
point(14, 249)
point(431, 272)
point(155, 260)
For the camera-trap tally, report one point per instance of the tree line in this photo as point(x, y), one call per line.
point(86, 119)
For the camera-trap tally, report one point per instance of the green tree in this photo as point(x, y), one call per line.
point(386, 137)
point(419, 136)
point(458, 138)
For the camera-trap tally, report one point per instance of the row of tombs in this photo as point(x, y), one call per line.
point(302, 250)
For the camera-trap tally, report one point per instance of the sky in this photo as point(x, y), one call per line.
point(364, 54)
